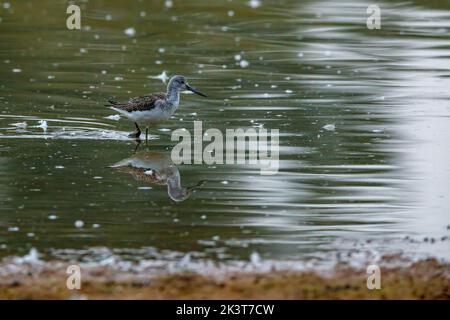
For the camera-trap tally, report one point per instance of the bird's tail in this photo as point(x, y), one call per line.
point(112, 103)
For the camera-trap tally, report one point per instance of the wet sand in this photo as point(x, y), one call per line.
point(426, 279)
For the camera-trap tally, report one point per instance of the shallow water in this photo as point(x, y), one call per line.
point(376, 181)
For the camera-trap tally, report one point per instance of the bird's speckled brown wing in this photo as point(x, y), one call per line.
point(142, 174)
point(142, 103)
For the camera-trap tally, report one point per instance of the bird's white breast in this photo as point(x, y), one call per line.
point(149, 116)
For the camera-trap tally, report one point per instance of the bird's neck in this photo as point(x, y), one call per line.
point(174, 188)
point(173, 96)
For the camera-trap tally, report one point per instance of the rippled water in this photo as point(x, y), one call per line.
point(363, 118)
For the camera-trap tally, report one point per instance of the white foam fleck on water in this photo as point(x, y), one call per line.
point(92, 134)
point(13, 229)
point(52, 217)
point(79, 224)
point(108, 17)
point(115, 117)
point(168, 3)
point(16, 70)
point(231, 13)
point(118, 78)
point(59, 167)
point(186, 260)
point(254, 3)
point(244, 63)
point(237, 57)
point(162, 76)
point(288, 91)
point(329, 127)
point(43, 125)
point(208, 243)
point(21, 125)
point(255, 259)
point(131, 32)
point(31, 258)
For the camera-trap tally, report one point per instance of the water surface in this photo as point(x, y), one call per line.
point(363, 118)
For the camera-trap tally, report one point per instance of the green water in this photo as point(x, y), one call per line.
point(379, 182)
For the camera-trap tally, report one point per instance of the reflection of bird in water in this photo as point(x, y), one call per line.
point(156, 168)
point(154, 107)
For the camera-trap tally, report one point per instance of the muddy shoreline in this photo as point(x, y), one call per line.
point(425, 279)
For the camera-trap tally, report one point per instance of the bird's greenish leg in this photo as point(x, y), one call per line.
point(137, 133)
point(146, 135)
point(137, 142)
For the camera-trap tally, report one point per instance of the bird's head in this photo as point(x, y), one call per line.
point(180, 83)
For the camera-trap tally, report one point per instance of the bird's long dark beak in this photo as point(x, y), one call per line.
point(197, 185)
point(195, 91)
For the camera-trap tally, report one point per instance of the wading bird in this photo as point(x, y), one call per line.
point(154, 107)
